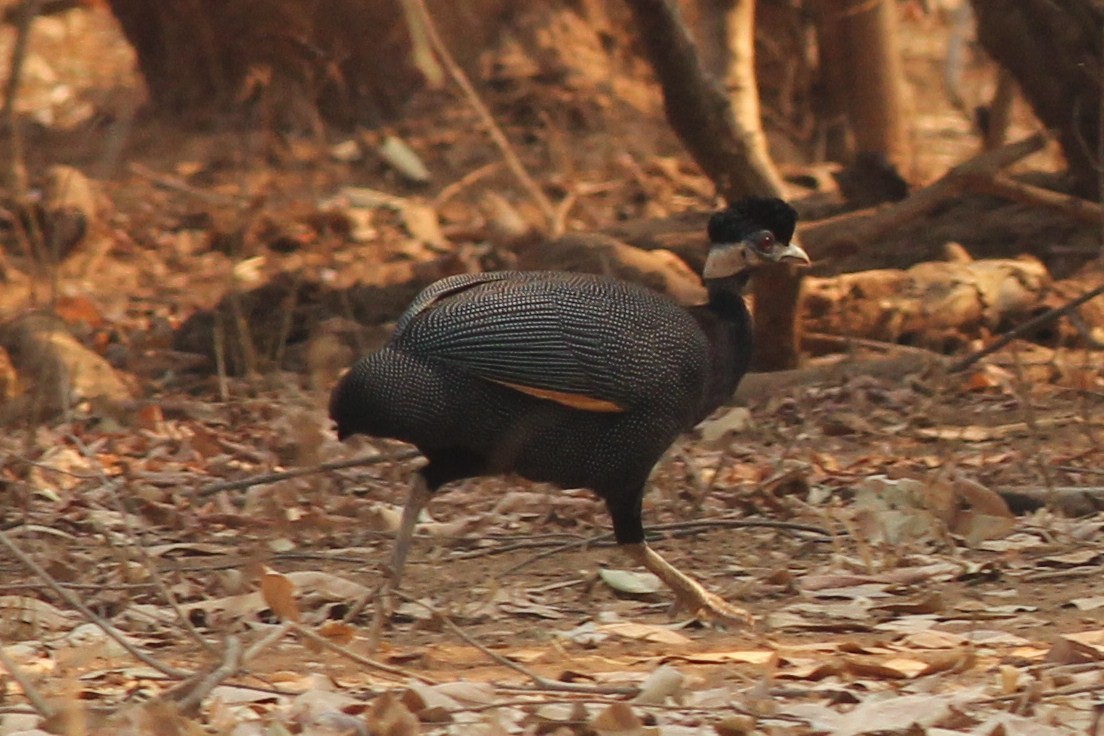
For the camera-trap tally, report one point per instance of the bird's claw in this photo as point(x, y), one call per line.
point(713, 610)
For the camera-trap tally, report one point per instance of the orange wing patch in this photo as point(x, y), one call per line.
point(575, 401)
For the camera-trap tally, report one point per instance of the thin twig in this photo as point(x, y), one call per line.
point(1076, 469)
point(1057, 692)
point(1021, 390)
point(189, 695)
point(266, 641)
point(360, 658)
point(179, 185)
point(1045, 318)
point(849, 342)
point(263, 478)
point(147, 560)
point(34, 697)
point(78, 604)
point(677, 527)
point(451, 190)
point(542, 683)
point(462, 81)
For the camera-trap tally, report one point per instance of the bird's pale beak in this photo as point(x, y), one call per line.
point(793, 253)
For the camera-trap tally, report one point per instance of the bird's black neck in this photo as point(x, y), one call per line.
point(726, 322)
point(726, 298)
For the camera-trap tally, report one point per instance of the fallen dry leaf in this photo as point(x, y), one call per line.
point(279, 594)
point(644, 632)
point(620, 720)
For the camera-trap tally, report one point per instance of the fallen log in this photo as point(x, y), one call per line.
point(53, 369)
point(937, 305)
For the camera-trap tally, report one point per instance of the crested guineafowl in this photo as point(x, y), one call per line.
point(578, 380)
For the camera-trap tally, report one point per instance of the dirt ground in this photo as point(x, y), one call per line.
point(858, 520)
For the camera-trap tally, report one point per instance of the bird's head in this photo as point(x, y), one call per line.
point(751, 233)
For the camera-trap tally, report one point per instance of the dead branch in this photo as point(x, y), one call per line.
point(1032, 324)
point(659, 270)
point(1002, 185)
point(836, 235)
point(421, 12)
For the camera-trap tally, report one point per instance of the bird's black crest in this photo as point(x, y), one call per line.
point(753, 213)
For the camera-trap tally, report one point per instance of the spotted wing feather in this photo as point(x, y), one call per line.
point(608, 342)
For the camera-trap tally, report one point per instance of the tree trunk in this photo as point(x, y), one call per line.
point(863, 79)
point(726, 140)
point(1053, 49)
point(296, 61)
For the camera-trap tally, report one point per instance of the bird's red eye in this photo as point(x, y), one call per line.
point(763, 242)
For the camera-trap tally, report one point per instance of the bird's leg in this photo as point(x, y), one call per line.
point(689, 592)
point(416, 500)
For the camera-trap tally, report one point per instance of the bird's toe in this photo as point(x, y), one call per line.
point(714, 610)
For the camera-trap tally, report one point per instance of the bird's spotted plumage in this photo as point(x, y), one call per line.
point(574, 379)
point(452, 379)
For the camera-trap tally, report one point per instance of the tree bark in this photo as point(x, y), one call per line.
point(726, 140)
point(1053, 49)
point(863, 79)
point(297, 61)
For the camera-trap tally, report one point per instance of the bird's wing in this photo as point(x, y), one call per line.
point(591, 343)
point(446, 287)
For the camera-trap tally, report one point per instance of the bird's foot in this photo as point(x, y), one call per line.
point(381, 597)
point(710, 608)
point(689, 593)
point(387, 596)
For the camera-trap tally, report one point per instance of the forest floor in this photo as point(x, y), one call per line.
point(857, 520)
